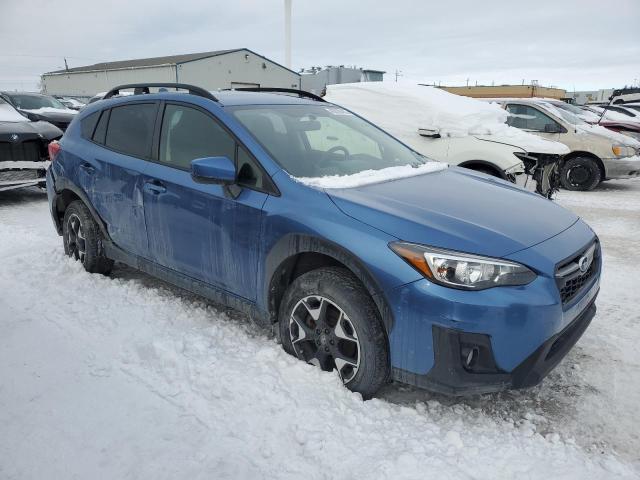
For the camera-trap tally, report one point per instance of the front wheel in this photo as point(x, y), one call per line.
point(329, 320)
point(82, 240)
point(581, 174)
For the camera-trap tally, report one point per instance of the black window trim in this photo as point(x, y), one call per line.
point(108, 112)
point(271, 188)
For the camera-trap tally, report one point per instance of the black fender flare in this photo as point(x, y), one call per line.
point(487, 164)
point(290, 247)
point(62, 185)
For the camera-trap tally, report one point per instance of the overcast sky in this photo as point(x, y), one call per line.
point(579, 44)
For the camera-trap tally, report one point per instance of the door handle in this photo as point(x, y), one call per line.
point(154, 187)
point(88, 168)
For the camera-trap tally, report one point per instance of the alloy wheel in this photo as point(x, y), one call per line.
point(322, 334)
point(75, 238)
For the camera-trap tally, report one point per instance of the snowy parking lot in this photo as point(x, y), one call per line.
point(126, 377)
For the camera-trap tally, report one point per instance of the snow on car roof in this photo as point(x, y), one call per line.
point(402, 108)
point(10, 114)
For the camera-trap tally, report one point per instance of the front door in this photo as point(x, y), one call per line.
point(199, 229)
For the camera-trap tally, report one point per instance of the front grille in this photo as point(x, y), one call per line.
point(29, 151)
point(570, 279)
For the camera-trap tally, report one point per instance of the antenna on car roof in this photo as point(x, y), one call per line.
point(143, 88)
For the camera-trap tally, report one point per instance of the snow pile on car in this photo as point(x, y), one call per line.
point(50, 110)
point(368, 177)
point(403, 108)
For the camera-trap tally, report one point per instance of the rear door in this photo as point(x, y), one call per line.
point(121, 146)
point(204, 231)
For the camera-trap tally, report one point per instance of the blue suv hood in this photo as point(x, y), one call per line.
point(457, 209)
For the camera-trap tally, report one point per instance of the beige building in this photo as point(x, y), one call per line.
point(210, 70)
point(507, 91)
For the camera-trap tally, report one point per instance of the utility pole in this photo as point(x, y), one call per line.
point(287, 33)
point(66, 65)
point(398, 73)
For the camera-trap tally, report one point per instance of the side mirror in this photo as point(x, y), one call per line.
point(214, 170)
point(552, 128)
point(429, 132)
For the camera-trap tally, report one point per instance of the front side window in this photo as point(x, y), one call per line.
point(318, 140)
point(529, 118)
point(188, 134)
point(130, 129)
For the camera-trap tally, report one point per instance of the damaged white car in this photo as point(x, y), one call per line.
point(455, 130)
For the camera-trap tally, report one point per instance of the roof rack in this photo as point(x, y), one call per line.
point(142, 88)
point(300, 93)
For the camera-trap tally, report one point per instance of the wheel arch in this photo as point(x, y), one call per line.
point(581, 153)
point(296, 254)
point(483, 165)
point(63, 198)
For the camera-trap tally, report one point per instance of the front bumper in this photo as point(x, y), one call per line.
point(626, 167)
point(19, 174)
point(451, 376)
point(512, 329)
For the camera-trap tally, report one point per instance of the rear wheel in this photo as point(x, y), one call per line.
point(329, 320)
point(82, 240)
point(580, 173)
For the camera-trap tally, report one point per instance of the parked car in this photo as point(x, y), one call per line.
point(72, 103)
point(626, 128)
point(369, 259)
point(40, 107)
point(597, 154)
point(456, 130)
point(23, 148)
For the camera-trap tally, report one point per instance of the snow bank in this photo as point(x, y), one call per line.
point(368, 177)
point(50, 110)
point(403, 108)
point(10, 114)
point(135, 379)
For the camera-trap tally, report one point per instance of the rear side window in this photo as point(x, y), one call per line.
point(88, 125)
point(130, 129)
point(188, 134)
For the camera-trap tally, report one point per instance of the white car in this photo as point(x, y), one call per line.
point(453, 129)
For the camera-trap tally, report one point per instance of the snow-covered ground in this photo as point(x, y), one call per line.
point(125, 377)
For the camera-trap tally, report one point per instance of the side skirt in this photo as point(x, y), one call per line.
point(210, 292)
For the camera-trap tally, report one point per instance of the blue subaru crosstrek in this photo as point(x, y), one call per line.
point(307, 217)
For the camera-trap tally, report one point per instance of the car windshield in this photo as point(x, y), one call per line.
point(35, 102)
point(323, 140)
point(568, 107)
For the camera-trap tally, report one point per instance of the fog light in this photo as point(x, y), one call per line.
point(469, 356)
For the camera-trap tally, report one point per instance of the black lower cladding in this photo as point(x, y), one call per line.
point(452, 374)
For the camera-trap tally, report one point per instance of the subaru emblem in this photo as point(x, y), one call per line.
point(14, 137)
point(584, 263)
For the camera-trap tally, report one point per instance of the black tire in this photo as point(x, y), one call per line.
point(82, 239)
point(343, 292)
point(580, 174)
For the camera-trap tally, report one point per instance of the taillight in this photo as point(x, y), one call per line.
point(54, 149)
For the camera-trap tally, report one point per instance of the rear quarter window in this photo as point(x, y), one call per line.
point(88, 125)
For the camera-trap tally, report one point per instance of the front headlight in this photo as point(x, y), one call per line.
point(623, 151)
point(462, 270)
